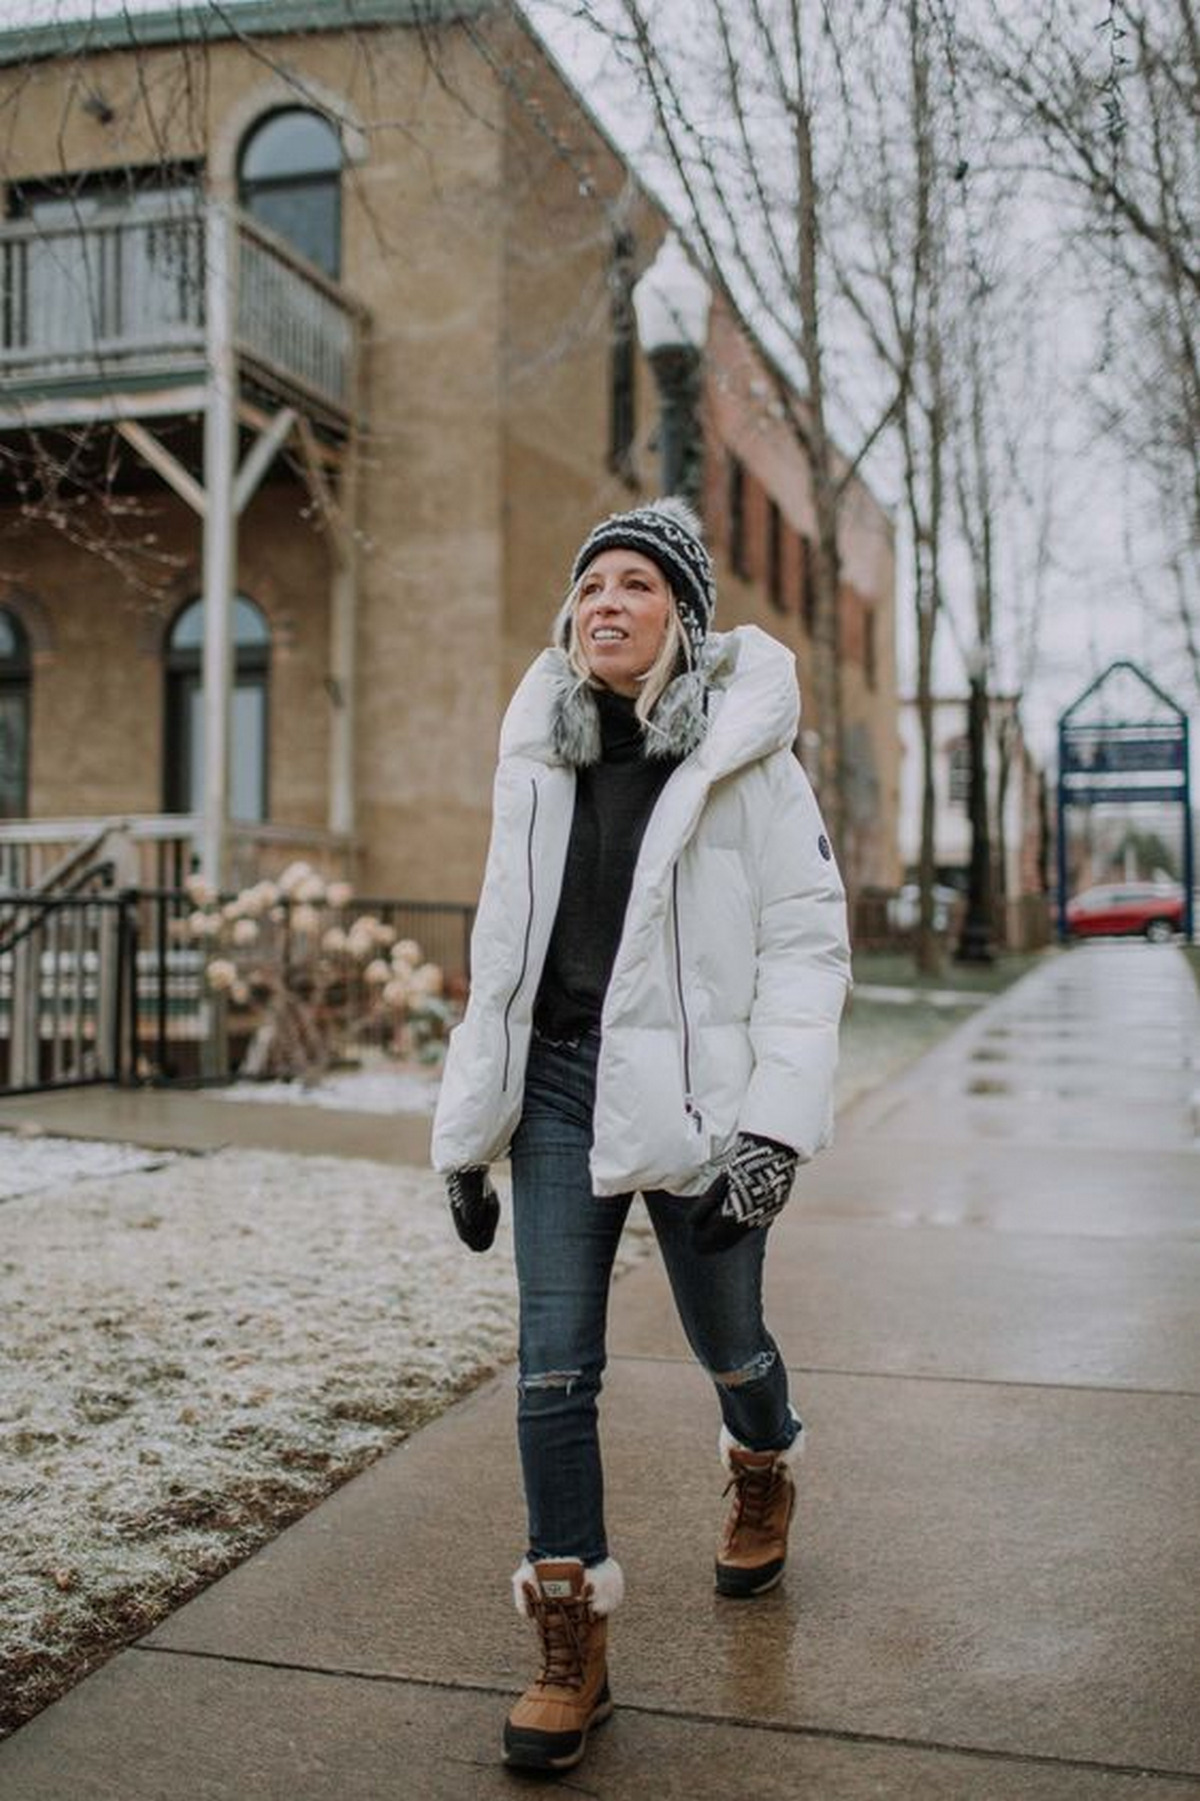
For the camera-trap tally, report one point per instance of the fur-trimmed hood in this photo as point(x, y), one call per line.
point(739, 703)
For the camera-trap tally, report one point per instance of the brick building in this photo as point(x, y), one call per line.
point(316, 338)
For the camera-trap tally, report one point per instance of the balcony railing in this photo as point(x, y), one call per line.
point(99, 303)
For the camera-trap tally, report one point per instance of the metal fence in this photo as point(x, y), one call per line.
point(62, 979)
point(114, 987)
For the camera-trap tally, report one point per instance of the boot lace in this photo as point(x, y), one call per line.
point(563, 1626)
point(753, 1494)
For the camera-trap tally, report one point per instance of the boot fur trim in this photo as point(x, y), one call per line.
point(606, 1581)
point(727, 1443)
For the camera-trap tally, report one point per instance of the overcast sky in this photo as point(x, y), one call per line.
point(1111, 541)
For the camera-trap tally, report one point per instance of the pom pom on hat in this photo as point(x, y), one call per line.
point(670, 534)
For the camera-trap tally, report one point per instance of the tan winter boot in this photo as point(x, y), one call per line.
point(548, 1727)
point(753, 1548)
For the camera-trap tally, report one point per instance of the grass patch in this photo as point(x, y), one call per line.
point(895, 969)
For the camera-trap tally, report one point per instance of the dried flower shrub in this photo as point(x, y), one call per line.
point(313, 980)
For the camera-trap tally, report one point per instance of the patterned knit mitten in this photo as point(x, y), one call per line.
point(747, 1196)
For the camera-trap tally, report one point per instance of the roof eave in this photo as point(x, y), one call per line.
point(124, 30)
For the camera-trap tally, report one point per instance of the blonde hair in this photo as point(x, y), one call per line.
point(672, 652)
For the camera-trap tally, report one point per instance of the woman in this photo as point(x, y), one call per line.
point(658, 970)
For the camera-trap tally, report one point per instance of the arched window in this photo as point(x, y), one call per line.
point(15, 682)
point(290, 177)
point(183, 785)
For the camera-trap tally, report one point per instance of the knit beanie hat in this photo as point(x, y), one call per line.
point(669, 533)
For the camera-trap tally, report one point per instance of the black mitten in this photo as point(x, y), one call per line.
point(747, 1196)
point(474, 1205)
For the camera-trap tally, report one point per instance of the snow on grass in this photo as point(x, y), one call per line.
point(191, 1356)
point(33, 1162)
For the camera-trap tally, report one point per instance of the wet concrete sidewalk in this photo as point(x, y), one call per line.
point(988, 1297)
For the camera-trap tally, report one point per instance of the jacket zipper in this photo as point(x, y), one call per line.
point(689, 1101)
point(528, 934)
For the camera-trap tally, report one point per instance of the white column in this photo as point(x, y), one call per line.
point(220, 537)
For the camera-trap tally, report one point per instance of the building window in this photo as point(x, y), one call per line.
point(290, 177)
point(775, 555)
point(622, 359)
point(183, 784)
point(960, 773)
point(738, 559)
point(808, 585)
point(15, 684)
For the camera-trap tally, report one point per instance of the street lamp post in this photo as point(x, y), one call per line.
point(671, 302)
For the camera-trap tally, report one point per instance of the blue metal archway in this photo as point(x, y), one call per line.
point(1130, 760)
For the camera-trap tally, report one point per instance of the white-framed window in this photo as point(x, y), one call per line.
point(183, 762)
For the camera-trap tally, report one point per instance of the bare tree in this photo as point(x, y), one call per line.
point(749, 135)
point(1107, 112)
point(977, 522)
point(892, 273)
point(1034, 469)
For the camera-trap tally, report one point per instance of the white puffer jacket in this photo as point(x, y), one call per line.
point(722, 1010)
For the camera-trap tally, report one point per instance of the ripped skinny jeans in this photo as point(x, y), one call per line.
point(566, 1241)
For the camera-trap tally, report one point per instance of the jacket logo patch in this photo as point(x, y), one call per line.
point(824, 848)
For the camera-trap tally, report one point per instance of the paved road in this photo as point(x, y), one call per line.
point(988, 1296)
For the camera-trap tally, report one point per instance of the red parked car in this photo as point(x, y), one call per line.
point(1151, 910)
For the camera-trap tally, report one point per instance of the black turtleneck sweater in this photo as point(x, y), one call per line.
point(614, 799)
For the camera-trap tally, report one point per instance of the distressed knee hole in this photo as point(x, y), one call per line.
point(754, 1371)
point(541, 1381)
